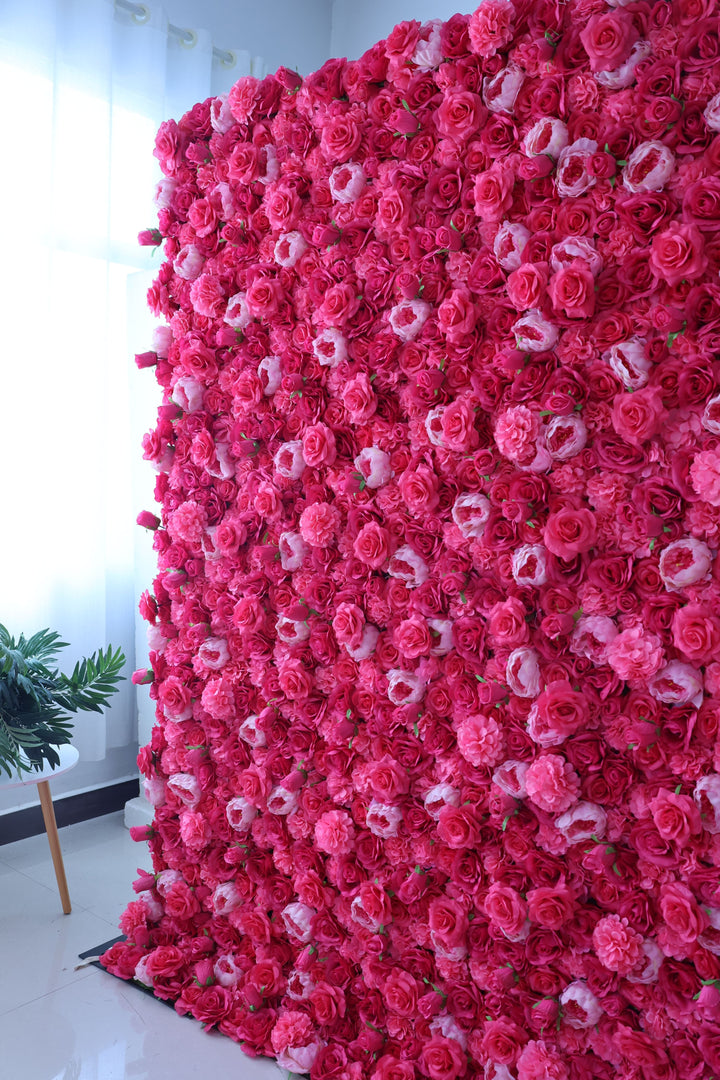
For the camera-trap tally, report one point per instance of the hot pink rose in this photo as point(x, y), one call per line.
point(568, 532)
point(572, 290)
point(608, 39)
point(637, 417)
point(676, 816)
point(493, 192)
point(359, 399)
point(551, 906)
point(552, 783)
point(681, 913)
point(459, 114)
point(456, 314)
point(419, 489)
point(558, 712)
point(318, 446)
point(412, 637)
point(507, 910)
point(696, 633)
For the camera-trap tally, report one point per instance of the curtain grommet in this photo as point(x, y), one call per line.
point(189, 39)
point(141, 15)
point(228, 58)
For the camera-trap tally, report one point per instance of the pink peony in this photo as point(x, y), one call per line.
point(491, 27)
point(685, 562)
point(334, 833)
point(480, 740)
point(319, 524)
point(552, 783)
point(705, 476)
point(635, 654)
point(617, 947)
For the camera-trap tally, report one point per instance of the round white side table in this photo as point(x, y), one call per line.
point(68, 759)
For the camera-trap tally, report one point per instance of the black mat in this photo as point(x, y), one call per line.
point(97, 952)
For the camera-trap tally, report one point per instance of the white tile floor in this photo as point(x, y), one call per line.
point(57, 1023)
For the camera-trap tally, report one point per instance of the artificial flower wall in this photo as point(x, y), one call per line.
point(435, 638)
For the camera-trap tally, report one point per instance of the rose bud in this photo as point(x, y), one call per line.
point(148, 520)
point(149, 238)
point(142, 677)
point(146, 359)
point(601, 165)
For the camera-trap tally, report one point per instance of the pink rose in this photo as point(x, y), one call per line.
point(630, 363)
point(348, 624)
point(510, 778)
point(592, 636)
point(330, 347)
point(459, 114)
point(237, 313)
point(493, 191)
point(456, 314)
point(405, 687)
point(491, 27)
point(685, 562)
point(289, 248)
point(294, 1041)
point(649, 167)
point(480, 740)
point(705, 476)
point(707, 800)
point(289, 460)
point(319, 524)
point(558, 712)
point(618, 948)
point(443, 1059)
point(526, 286)
point(409, 567)
point(572, 290)
point(635, 654)
point(637, 417)
point(696, 633)
point(359, 399)
point(347, 182)
point(551, 906)
point(608, 39)
point(499, 92)
point(681, 914)
point(568, 532)
point(678, 253)
point(522, 672)
point(458, 426)
point(318, 446)
point(676, 816)
point(509, 244)
point(583, 821)
point(175, 698)
point(412, 637)
point(552, 783)
point(539, 1062)
point(419, 489)
point(507, 910)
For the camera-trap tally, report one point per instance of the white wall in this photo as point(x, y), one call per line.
point(358, 25)
point(289, 33)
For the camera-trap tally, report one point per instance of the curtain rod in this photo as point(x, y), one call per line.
point(188, 38)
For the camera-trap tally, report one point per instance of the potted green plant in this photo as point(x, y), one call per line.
point(36, 698)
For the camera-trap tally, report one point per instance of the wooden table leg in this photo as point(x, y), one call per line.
point(54, 840)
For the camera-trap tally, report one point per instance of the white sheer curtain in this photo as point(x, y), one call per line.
point(83, 88)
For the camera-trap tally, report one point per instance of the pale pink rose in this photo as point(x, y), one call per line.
point(635, 654)
point(213, 654)
point(522, 672)
point(439, 796)
point(226, 898)
point(404, 687)
point(154, 790)
point(480, 740)
point(565, 436)
point(289, 460)
point(629, 362)
point(592, 636)
point(164, 190)
point(237, 314)
point(648, 966)
point(293, 550)
point(583, 821)
point(685, 562)
point(289, 248)
point(251, 732)
point(270, 374)
point(347, 182)
point(576, 247)
point(382, 820)
point(572, 177)
point(188, 394)
point(227, 970)
point(529, 565)
point(624, 75)
point(677, 684)
point(533, 332)
point(649, 167)
point(291, 631)
point(470, 513)
point(707, 797)
point(330, 348)
point(510, 777)
point(433, 425)
point(282, 802)
point(516, 431)
point(408, 318)
point(335, 833)
point(442, 635)
point(374, 467)
point(711, 415)
point(491, 27)
point(409, 567)
point(367, 644)
point(712, 113)
point(240, 814)
point(509, 244)
point(499, 92)
point(580, 1008)
point(617, 946)
point(185, 788)
point(552, 783)
point(162, 339)
point(547, 136)
point(705, 476)
point(188, 263)
point(428, 53)
point(221, 116)
point(297, 918)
